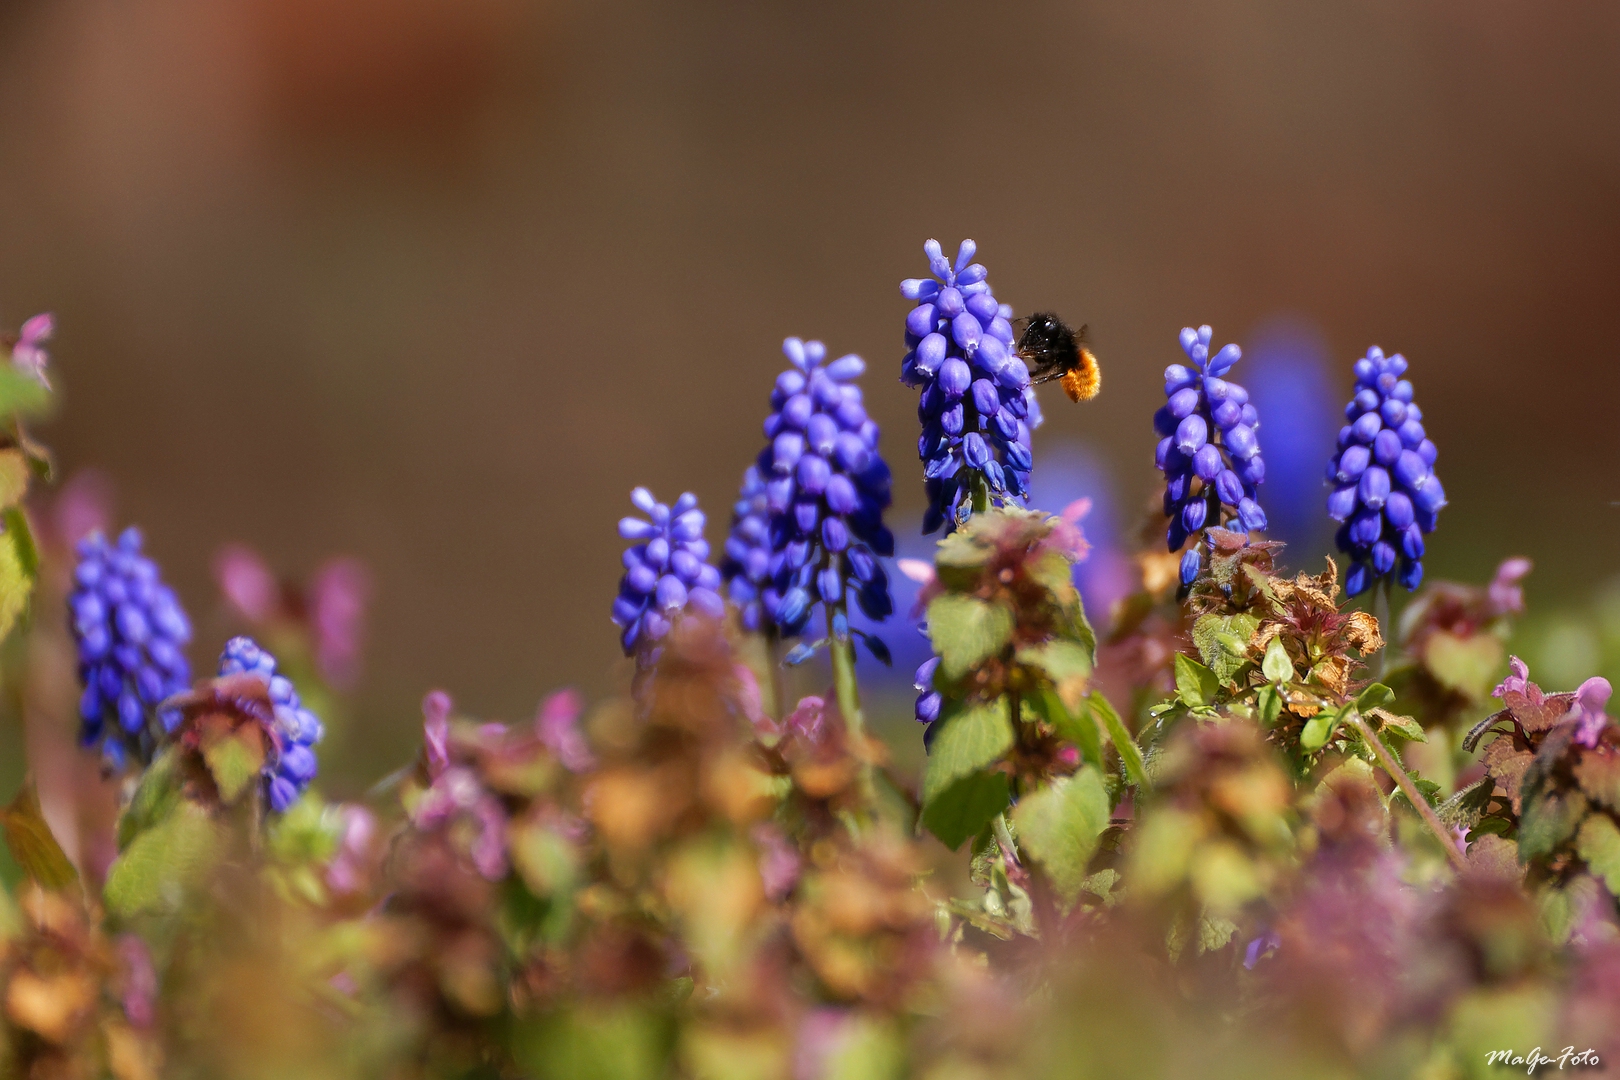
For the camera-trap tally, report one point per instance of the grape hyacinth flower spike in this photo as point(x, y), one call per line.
point(1385, 491)
point(826, 489)
point(293, 729)
point(977, 407)
point(1208, 450)
point(130, 631)
point(666, 571)
point(745, 568)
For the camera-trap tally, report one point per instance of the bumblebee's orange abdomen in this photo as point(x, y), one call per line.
point(1082, 381)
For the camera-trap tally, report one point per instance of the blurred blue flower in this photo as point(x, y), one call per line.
point(131, 632)
point(1385, 491)
point(977, 407)
point(1070, 472)
point(745, 567)
point(294, 730)
point(665, 570)
point(1290, 386)
point(1208, 450)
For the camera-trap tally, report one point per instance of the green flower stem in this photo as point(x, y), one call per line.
point(843, 665)
point(773, 662)
point(979, 485)
point(1380, 611)
point(1447, 842)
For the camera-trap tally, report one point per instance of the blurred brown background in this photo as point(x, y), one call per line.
point(436, 282)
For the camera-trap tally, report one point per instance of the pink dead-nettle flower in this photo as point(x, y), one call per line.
point(247, 582)
point(557, 726)
point(338, 598)
point(29, 353)
point(1590, 701)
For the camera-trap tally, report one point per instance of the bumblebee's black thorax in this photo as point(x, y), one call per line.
point(1048, 344)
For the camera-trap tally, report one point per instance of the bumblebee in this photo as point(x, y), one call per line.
point(1055, 351)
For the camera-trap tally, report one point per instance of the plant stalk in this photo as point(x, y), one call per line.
point(1409, 789)
point(980, 486)
point(1380, 606)
point(778, 709)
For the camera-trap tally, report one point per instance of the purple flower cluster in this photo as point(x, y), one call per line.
point(130, 631)
point(666, 570)
point(826, 488)
point(1208, 450)
point(294, 730)
point(745, 567)
point(1385, 491)
point(977, 407)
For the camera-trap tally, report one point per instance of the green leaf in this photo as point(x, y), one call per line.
point(1373, 697)
point(16, 581)
point(1061, 661)
point(163, 863)
point(1214, 932)
point(1466, 806)
point(1163, 845)
point(1059, 825)
point(1599, 777)
point(1196, 685)
point(234, 758)
point(1055, 571)
point(1547, 821)
point(1599, 844)
point(1223, 642)
point(33, 844)
point(1561, 908)
point(547, 862)
point(1129, 754)
point(155, 798)
point(14, 475)
point(1079, 727)
point(969, 739)
point(21, 394)
point(1319, 729)
point(16, 524)
point(1404, 726)
point(1468, 665)
point(1269, 702)
point(967, 631)
point(964, 808)
point(1276, 666)
point(603, 1042)
point(869, 1049)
